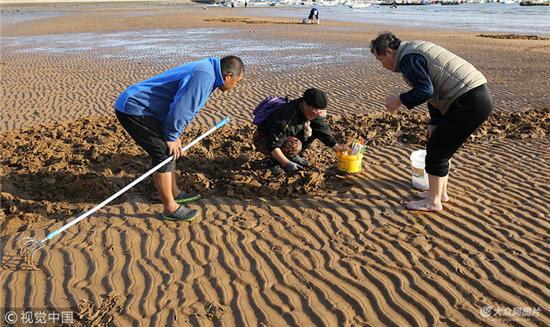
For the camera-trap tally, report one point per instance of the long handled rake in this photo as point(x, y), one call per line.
point(32, 245)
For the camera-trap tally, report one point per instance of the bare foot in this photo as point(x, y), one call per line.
point(426, 194)
point(424, 205)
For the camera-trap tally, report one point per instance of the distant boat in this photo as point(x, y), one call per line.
point(327, 3)
point(359, 5)
point(412, 3)
point(535, 3)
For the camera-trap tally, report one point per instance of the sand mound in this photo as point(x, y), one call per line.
point(54, 171)
point(513, 36)
point(409, 127)
point(50, 171)
point(246, 20)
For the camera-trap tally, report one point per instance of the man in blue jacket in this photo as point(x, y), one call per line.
point(156, 111)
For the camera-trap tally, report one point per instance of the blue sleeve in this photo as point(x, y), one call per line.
point(193, 92)
point(415, 68)
point(435, 115)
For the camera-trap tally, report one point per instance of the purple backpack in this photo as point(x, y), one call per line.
point(266, 107)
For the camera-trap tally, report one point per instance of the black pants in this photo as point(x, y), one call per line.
point(293, 146)
point(464, 116)
point(310, 17)
point(147, 132)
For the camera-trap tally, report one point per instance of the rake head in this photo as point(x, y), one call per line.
point(30, 247)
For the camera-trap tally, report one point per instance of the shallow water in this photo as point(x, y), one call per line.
point(172, 45)
point(15, 16)
point(488, 17)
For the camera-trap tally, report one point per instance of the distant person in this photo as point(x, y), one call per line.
point(313, 13)
point(156, 111)
point(291, 128)
point(458, 99)
point(232, 4)
point(245, 4)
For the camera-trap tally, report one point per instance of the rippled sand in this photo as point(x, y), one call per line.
point(323, 249)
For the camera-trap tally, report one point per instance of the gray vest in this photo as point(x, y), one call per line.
point(451, 75)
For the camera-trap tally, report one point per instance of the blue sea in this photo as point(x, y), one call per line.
point(168, 45)
point(486, 17)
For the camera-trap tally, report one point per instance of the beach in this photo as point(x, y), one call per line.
point(313, 249)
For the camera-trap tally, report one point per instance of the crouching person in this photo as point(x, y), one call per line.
point(286, 128)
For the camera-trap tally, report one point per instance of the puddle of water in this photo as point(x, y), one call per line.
point(14, 16)
point(170, 46)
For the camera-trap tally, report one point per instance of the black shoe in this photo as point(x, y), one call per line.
point(270, 162)
point(274, 166)
point(299, 160)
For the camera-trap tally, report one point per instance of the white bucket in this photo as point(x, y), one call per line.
point(418, 173)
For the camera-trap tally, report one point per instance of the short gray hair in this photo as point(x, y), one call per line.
point(383, 42)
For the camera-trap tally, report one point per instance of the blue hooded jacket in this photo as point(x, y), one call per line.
point(174, 97)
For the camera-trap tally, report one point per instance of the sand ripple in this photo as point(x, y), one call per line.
point(315, 249)
point(347, 258)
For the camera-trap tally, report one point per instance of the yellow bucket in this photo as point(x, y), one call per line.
point(349, 163)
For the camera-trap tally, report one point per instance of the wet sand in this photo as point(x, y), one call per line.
point(314, 249)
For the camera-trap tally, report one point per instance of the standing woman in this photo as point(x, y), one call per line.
point(458, 98)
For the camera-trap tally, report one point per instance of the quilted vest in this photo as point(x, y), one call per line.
point(451, 75)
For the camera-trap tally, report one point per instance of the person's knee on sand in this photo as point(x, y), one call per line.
point(292, 147)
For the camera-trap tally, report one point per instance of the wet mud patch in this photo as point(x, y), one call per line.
point(513, 37)
point(246, 20)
